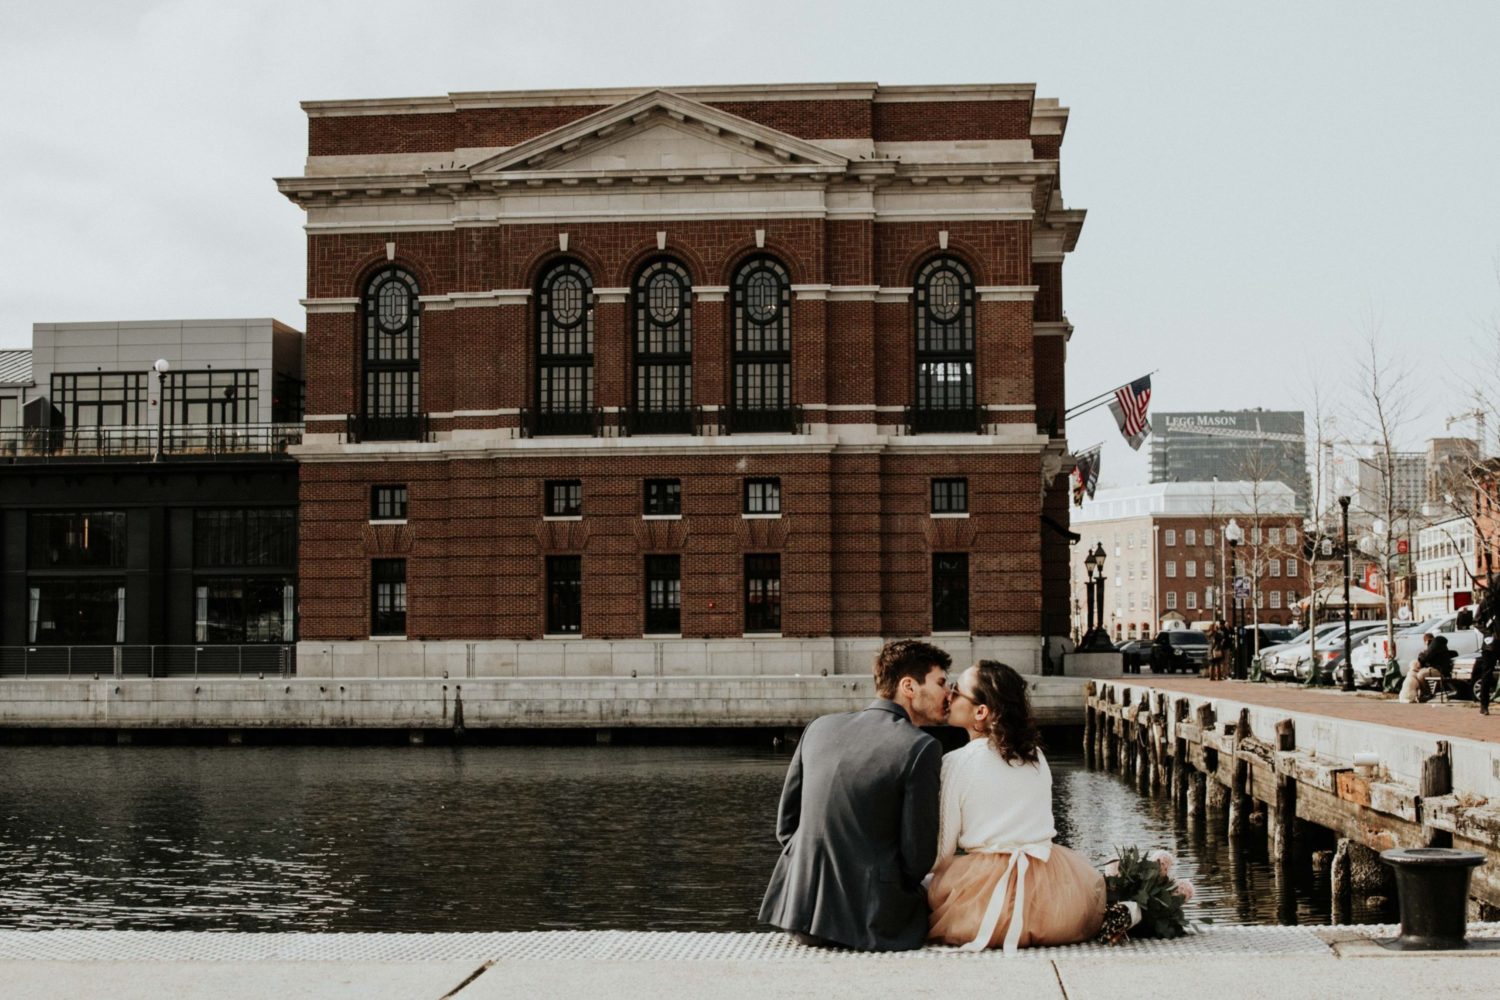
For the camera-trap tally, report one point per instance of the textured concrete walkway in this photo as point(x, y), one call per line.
point(1276, 963)
point(1451, 718)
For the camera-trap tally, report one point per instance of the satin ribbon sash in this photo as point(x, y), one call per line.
point(1021, 856)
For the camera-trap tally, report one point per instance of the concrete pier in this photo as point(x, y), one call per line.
point(1276, 963)
point(755, 701)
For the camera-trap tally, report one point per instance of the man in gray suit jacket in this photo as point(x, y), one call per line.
point(859, 813)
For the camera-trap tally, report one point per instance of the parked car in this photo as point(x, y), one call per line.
point(1268, 654)
point(1179, 649)
point(1370, 658)
point(1137, 652)
point(1328, 652)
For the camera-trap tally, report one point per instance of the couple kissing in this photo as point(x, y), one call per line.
point(887, 843)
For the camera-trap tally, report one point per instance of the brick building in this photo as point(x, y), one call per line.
point(723, 376)
point(1166, 557)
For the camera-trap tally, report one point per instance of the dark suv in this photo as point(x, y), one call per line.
point(1179, 649)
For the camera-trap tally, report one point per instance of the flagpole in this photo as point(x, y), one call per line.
point(1094, 402)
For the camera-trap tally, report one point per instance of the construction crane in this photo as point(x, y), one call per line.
point(1478, 416)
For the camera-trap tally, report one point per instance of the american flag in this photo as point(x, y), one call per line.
point(1129, 407)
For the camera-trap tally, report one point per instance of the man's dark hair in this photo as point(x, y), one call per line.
point(906, 658)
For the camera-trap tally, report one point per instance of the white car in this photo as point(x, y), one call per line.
point(1330, 648)
point(1371, 656)
point(1271, 663)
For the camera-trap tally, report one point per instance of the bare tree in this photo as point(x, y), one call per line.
point(1386, 408)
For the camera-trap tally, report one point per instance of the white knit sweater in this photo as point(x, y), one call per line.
point(989, 805)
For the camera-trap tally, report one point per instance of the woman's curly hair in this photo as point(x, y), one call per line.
point(1013, 733)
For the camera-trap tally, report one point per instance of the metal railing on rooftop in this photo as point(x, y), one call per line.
point(142, 442)
point(93, 662)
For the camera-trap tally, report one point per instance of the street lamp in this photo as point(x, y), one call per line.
point(1091, 565)
point(1099, 599)
point(1348, 684)
point(1234, 534)
point(1447, 590)
point(162, 366)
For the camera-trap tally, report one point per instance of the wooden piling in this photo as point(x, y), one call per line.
point(1437, 780)
point(1283, 818)
point(1239, 792)
point(1089, 722)
point(1180, 766)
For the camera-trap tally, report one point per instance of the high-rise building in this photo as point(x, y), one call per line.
point(1258, 445)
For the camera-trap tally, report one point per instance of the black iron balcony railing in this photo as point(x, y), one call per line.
point(945, 420)
point(257, 660)
point(550, 423)
point(683, 421)
point(361, 428)
point(145, 443)
point(786, 420)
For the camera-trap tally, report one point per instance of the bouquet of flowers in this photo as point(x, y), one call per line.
point(1144, 899)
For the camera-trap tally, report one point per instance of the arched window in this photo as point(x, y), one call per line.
point(944, 297)
point(392, 358)
point(565, 351)
point(762, 348)
point(663, 350)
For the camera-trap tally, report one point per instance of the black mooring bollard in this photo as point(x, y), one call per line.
point(1432, 887)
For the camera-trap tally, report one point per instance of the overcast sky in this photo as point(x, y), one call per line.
point(1265, 186)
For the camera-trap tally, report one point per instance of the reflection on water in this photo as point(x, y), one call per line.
point(471, 839)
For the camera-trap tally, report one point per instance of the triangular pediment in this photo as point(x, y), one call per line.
point(660, 132)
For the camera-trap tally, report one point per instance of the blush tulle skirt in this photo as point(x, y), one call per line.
point(1064, 902)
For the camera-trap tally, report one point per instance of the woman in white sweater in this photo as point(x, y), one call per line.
point(1011, 885)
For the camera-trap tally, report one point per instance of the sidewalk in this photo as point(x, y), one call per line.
point(1275, 963)
point(1452, 718)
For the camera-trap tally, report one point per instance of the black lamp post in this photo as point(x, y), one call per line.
point(161, 366)
point(1099, 597)
point(1233, 533)
point(1090, 565)
point(1348, 684)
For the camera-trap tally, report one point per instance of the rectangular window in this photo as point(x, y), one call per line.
point(116, 399)
point(564, 595)
point(1255, 538)
point(1192, 567)
point(388, 503)
point(76, 538)
point(1291, 566)
point(1291, 598)
point(1171, 600)
point(1171, 567)
point(763, 496)
point(82, 612)
point(1208, 536)
point(264, 537)
point(1275, 598)
point(950, 496)
point(388, 597)
point(244, 609)
point(950, 592)
point(1208, 597)
point(1170, 536)
point(763, 593)
point(1192, 600)
point(663, 595)
point(225, 396)
point(564, 497)
point(1275, 567)
point(1208, 568)
point(1190, 536)
point(663, 496)
point(1274, 535)
point(1291, 536)
point(1132, 600)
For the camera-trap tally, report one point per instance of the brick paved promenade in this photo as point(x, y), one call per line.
point(1453, 718)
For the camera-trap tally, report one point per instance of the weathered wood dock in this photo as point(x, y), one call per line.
point(1237, 765)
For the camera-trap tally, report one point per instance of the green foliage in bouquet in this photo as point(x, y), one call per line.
point(1140, 879)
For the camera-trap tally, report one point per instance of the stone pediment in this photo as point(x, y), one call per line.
point(659, 133)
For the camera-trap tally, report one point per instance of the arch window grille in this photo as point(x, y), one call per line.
point(565, 351)
point(392, 327)
point(663, 350)
point(762, 348)
point(945, 395)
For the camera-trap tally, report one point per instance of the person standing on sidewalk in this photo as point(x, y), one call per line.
point(1484, 668)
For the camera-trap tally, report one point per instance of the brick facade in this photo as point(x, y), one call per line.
point(856, 534)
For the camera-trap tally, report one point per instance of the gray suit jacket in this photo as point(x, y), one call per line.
point(858, 829)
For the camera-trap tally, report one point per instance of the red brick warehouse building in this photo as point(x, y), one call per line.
point(717, 380)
